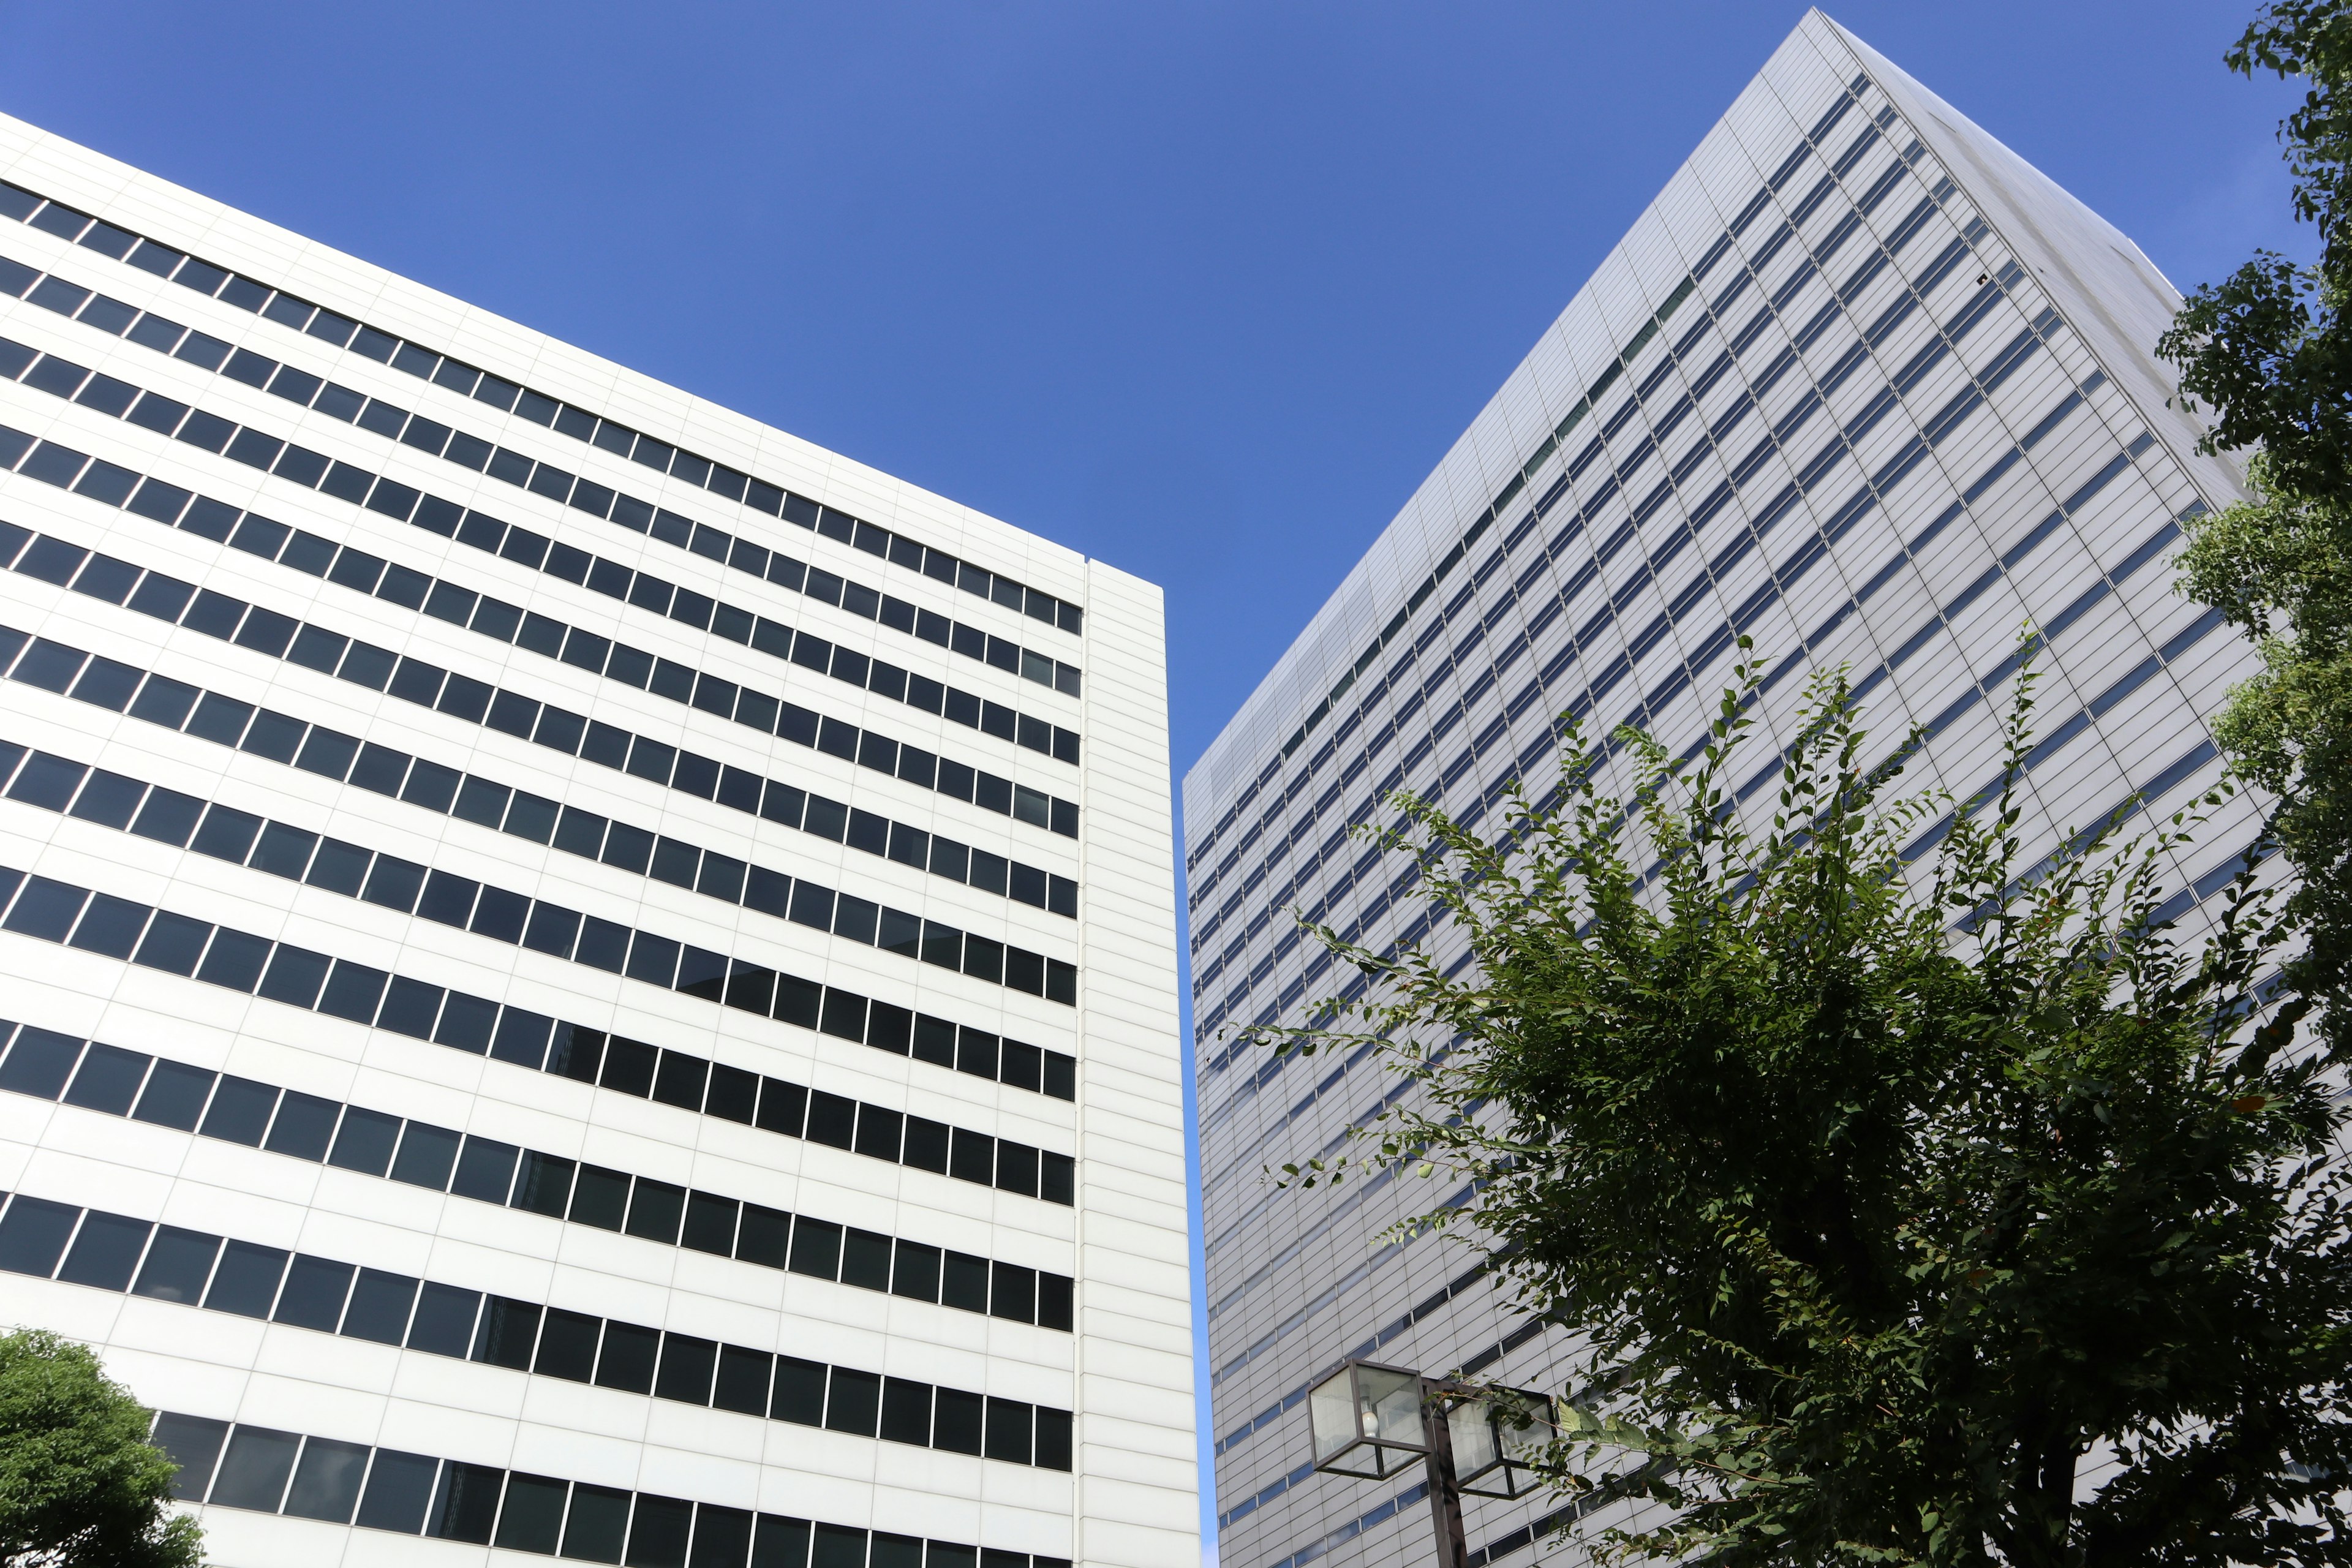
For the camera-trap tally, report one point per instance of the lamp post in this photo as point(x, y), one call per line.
point(1371, 1422)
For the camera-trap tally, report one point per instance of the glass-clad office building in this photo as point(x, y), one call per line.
point(1861, 386)
point(578, 975)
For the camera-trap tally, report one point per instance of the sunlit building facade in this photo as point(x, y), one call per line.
point(582, 975)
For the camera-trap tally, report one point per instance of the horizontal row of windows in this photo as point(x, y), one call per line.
point(169, 1263)
point(245, 293)
point(258, 1468)
point(177, 1096)
point(101, 682)
point(1748, 399)
point(225, 833)
point(1808, 478)
point(414, 430)
point(384, 771)
point(256, 448)
point(108, 1079)
point(370, 574)
point(390, 881)
point(1608, 378)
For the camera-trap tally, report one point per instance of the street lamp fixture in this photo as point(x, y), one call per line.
point(1370, 1422)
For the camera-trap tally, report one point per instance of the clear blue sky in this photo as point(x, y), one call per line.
point(1202, 290)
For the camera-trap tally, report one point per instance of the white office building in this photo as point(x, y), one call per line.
point(581, 977)
point(1861, 384)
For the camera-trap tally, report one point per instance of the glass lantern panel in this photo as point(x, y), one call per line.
point(1526, 1430)
point(1331, 1412)
point(1390, 1408)
point(1366, 1461)
point(1471, 1423)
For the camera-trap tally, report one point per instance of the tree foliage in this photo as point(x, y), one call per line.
point(80, 1485)
point(2267, 353)
point(1884, 1197)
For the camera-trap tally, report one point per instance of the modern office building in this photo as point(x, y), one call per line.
point(1860, 385)
point(581, 975)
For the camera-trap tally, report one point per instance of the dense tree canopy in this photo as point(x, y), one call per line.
point(80, 1485)
point(2267, 355)
point(1885, 1199)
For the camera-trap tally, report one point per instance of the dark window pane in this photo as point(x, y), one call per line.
point(426, 1155)
point(253, 1471)
point(957, 1424)
point(508, 1333)
point(40, 1063)
point(1053, 1439)
point(174, 1096)
point(964, 1282)
point(916, 1272)
point(782, 1543)
point(816, 1248)
point(799, 1392)
point(710, 1224)
point(105, 1250)
point(567, 1345)
point(466, 1503)
point(303, 1126)
point(600, 1197)
point(194, 1444)
point(596, 1524)
point(1012, 1292)
point(763, 1235)
point(399, 1487)
point(838, 1546)
point(485, 1170)
point(532, 1520)
point(865, 1259)
point(444, 1324)
point(365, 1140)
point(906, 1412)
point(545, 1185)
point(380, 1306)
point(742, 1383)
point(239, 1113)
point(314, 1292)
point(626, 1361)
point(722, 1537)
point(327, 1482)
point(177, 1264)
point(658, 1532)
point(687, 1365)
point(654, 1210)
point(246, 1282)
point(109, 1080)
point(1009, 1438)
point(854, 1402)
point(1055, 1308)
point(33, 1235)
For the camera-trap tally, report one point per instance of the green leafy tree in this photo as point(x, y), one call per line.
point(1886, 1199)
point(80, 1485)
point(2268, 355)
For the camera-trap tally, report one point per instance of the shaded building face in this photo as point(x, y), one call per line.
point(1861, 387)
